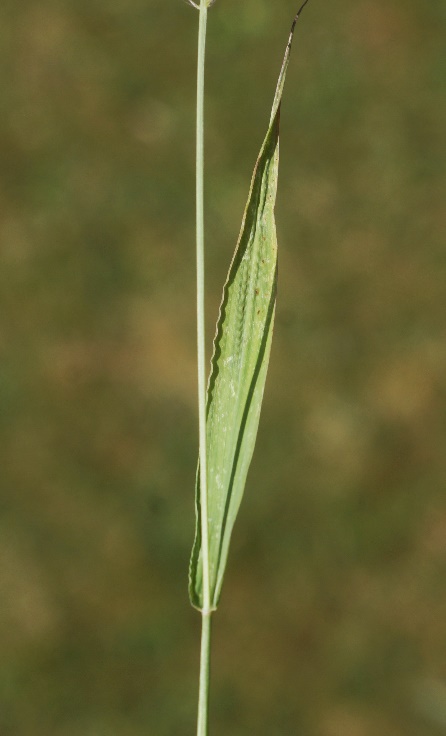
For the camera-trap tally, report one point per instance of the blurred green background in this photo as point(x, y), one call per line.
point(333, 615)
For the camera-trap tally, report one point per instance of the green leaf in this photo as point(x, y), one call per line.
point(240, 361)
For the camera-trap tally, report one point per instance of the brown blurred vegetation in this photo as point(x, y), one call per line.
point(333, 616)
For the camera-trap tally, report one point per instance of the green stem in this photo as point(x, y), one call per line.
point(200, 310)
point(203, 697)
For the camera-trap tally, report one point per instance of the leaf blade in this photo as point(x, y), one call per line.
point(239, 363)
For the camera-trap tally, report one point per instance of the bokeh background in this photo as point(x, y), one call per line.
point(333, 615)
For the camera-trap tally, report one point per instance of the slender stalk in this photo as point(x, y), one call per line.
point(200, 309)
point(203, 697)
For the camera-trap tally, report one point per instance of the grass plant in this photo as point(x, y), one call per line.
point(229, 409)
